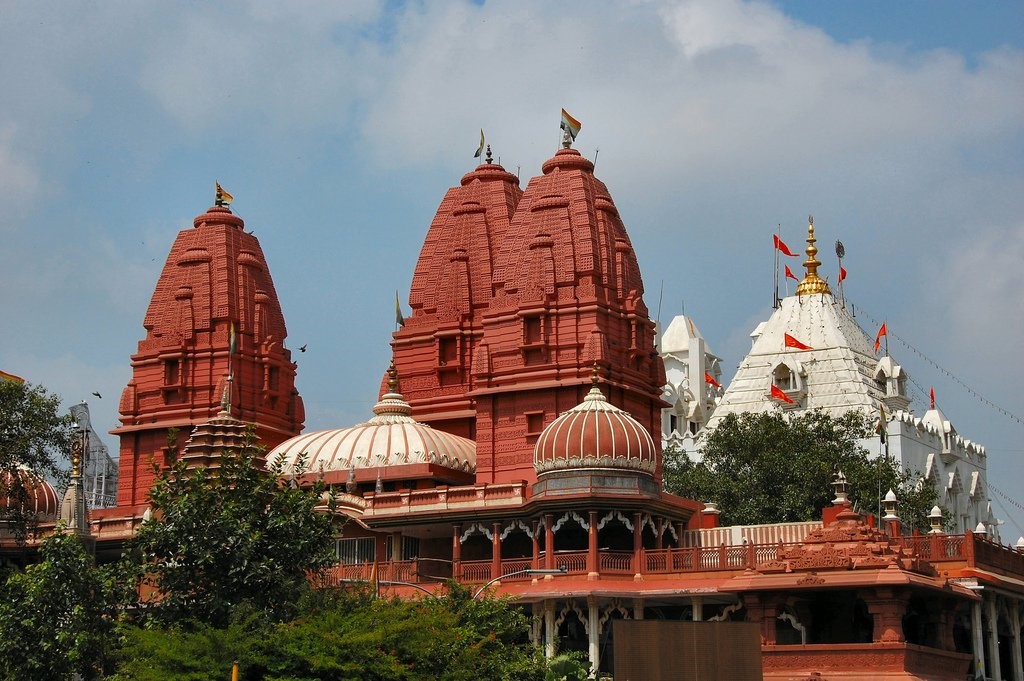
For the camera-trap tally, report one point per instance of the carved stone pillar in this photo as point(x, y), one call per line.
point(697, 603)
point(549, 544)
point(659, 540)
point(1018, 665)
point(762, 610)
point(978, 638)
point(594, 651)
point(638, 608)
point(495, 550)
point(535, 556)
point(456, 551)
point(592, 564)
point(638, 542)
point(887, 608)
point(993, 636)
point(549, 629)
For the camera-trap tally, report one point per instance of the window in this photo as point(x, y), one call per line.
point(447, 351)
point(534, 422)
point(785, 378)
point(533, 331)
point(355, 550)
point(172, 372)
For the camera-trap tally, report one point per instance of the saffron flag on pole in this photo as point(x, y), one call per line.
point(792, 342)
point(708, 378)
point(480, 149)
point(570, 125)
point(882, 331)
point(781, 246)
point(842, 274)
point(221, 196)
point(790, 275)
point(399, 319)
point(778, 394)
point(931, 394)
point(232, 340)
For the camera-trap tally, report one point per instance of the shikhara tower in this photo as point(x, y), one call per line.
point(214, 286)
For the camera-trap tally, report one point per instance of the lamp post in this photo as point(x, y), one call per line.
point(386, 582)
point(528, 571)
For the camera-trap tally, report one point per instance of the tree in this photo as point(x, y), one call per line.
point(54, 616)
point(347, 634)
point(763, 468)
point(227, 537)
point(32, 434)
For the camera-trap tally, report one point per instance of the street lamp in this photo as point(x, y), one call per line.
point(528, 571)
point(386, 582)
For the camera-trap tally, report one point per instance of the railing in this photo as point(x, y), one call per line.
point(615, 562)
point(969, 549)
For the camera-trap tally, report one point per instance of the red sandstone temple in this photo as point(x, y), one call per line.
point(516, 434)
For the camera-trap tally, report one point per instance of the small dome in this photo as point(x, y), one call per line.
point(391, 438)
point(40, 496)
point(596, 435)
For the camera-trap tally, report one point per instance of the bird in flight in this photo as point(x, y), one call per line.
point(97, 395)
point(303, 348)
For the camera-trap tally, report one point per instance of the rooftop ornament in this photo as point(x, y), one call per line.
point(935, 520)
point(890, 504)
point(812, 283)
point(841, 487)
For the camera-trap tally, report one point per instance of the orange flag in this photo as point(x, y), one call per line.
point(790, 275)
point(708, 378)
point(782, 247)
point(794, 343)
point(778, 394)
point(842, 274)
point(882, 331)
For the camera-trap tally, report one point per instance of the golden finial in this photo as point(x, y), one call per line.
point(812, 283)
point(392, 377)
point(595, 374)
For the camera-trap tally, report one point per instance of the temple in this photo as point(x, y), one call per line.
point(515, 444)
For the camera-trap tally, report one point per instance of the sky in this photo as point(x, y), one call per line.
point(338, 127)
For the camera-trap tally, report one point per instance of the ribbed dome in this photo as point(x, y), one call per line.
point(391, 438)
point(595, 434)
point(41, 497)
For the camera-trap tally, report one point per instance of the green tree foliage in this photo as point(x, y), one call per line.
point(235, 536)
point(349, 635)
point(763, 468)
point(33, 434)
point(54, 616)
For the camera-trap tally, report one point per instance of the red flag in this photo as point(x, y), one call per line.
point(931, 394)
point(790, 275)
point(882, 331)
point(794, 343)
point(842, 274)
point(780, 245)
point(708, 378)
point(778, 394)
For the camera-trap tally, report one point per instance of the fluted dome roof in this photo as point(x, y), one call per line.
point(40, 497)
point(391, 438)
point(595, 434)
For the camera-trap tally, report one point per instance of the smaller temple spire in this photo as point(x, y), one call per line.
point(812, 283)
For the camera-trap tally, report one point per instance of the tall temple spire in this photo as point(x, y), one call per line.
point(812, 283)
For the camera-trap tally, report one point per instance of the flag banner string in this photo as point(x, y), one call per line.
point(957, 379)
point(1013, 502)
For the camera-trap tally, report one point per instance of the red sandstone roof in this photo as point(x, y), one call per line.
point(41, 499)
point(595, 434)
point(454, 270)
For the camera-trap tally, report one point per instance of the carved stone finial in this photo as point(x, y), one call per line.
point(489, 159)
point(392, 377)
point(566, 139)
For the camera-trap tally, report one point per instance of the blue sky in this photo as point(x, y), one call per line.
point(339, 126)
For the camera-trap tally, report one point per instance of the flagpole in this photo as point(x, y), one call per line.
point(886, 341)
point(775, 299)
